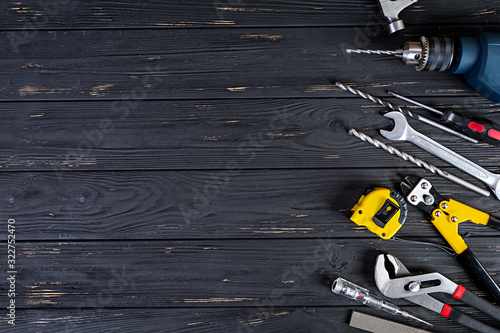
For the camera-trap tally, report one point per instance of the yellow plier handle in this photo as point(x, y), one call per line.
point(449, 215)
point(446, 218)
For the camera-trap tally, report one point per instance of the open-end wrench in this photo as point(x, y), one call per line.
point(402, 131)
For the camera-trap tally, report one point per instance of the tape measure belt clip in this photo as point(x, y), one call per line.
point(386, 213)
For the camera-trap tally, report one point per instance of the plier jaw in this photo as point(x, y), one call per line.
point(420, 193)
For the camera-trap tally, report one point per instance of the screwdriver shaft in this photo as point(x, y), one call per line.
point(441, 113)
point(419, 162)
point(404, 111)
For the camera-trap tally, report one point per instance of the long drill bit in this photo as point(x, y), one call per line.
point(404, 111)
point(419, 162)
point(365, 51)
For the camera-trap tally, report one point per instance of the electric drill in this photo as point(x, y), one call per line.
point(478, 58)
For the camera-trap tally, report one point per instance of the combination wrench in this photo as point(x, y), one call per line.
point(402, 131)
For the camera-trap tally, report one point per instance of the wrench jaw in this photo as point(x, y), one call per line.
point(495, 188)
point(401, 126)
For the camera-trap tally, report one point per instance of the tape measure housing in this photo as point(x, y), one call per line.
point(381, 211)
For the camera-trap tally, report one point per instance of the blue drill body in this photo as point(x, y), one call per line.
point(478, 58)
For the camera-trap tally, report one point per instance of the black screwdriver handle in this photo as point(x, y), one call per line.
point(477, 302)
point(462, 318)
point(477, 128)
point(477, 271)
point(494, 222)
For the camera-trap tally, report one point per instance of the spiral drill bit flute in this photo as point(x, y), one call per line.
point(404, 111)
point(417, 161)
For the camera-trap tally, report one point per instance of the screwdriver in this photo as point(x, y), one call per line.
point(477, 128)
point(350, 290)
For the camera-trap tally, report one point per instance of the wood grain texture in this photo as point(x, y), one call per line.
point(135, 65)
point(210, 204)
point(181, 166)
point(218, 135)
point(211, 273)
point(234, 319)
point(231, 13)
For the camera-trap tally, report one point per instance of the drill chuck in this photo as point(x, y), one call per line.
point(428, 54)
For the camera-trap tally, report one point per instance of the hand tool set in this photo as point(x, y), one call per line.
point(407, 157)
point(404, 111)
point(383, 211)
point(477, 128)
point(446, 215)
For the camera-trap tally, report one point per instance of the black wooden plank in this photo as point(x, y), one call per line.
point(241, 320)
point(256, 273)
point(32, 14)
point(209, 204)
point(216, 134)
point(131, 65)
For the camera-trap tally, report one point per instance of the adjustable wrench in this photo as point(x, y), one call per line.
point(402, 131)
point(390, 10)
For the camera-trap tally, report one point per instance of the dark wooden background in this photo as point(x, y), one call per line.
point(184, 166)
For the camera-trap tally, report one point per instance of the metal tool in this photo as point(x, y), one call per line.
point(390, 10)
point(374, 324)
point(380, 210)
point(446, 215)
point(478, 58)
point(402, 110)
point(402, 131)
point(407, 157)
point(351, 290)
point(477, 128)
point(428, 54)
point(416, 289)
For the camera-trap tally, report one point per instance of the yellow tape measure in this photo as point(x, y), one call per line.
point(381, 211)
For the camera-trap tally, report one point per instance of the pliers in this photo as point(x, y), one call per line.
point(395, 281)
point(446, 215)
